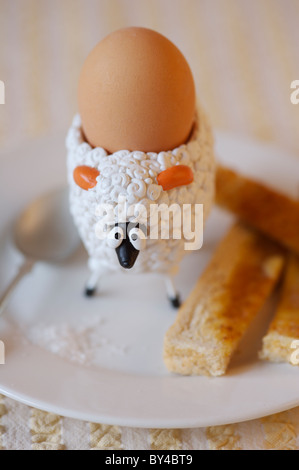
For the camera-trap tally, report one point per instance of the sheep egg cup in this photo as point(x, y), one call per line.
point(132, 177)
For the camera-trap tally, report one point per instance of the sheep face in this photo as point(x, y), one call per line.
point(138, 180)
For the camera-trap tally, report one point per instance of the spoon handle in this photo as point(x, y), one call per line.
point(23, 270)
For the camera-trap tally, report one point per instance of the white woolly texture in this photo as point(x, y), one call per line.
point(134, 176)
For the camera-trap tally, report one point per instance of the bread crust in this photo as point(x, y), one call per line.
point(284, 328)
point(274, 214)
point(228, 295)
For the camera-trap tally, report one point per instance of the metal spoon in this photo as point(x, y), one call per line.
point(43, 232)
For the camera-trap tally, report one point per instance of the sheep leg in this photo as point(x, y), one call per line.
point(172, 294)
point(92, 284)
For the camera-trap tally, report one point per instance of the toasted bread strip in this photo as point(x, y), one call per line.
point(226, 298)
point(275, 214)
point(284, 329)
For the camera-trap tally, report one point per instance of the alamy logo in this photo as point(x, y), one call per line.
point(2, 92)
point(294, 359)
point(2, 353)
point(295, 94)
point(159, 222)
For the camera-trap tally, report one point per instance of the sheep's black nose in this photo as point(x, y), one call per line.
point(126, 264)
point(126, 254)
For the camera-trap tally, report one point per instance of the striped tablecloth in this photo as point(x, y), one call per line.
point(244, 55)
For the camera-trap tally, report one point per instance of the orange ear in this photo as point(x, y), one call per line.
point(178, 175)
point(85, 176)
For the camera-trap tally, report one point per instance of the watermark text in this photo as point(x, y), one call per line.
point(161, 221)
point(294, 358)
point(295, 94)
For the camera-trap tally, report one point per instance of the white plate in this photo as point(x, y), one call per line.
point(125, 381)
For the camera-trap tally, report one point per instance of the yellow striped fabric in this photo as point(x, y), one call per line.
point(280, 432)
point(106, 437)
point(223, 437)
point(2, 413)
point(165, 439)
point(45, 431)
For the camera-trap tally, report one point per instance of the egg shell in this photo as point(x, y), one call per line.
point(136, 92)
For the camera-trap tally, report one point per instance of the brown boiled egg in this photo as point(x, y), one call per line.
point(136, 92)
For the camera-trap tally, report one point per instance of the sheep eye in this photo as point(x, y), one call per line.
point(115, 237)
point(137, 238)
